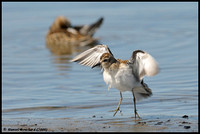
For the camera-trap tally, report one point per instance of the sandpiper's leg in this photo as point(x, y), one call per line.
point(135, 110)
point(118, 107)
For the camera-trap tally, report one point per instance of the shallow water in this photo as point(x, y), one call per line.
point(38, 84)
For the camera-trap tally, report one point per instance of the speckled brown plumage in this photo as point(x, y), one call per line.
point(63, 38)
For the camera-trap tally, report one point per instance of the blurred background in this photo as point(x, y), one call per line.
point(39, 84)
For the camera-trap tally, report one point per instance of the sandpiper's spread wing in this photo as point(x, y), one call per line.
point(144, 64)
point(91, 57)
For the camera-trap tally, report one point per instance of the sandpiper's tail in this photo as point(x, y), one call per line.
point(90, 29)
point(142, 92)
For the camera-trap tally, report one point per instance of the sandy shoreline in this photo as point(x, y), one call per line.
point(175, 124)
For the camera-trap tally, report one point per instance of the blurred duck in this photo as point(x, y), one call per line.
point(62, 37)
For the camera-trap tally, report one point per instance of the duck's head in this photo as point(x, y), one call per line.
point(60, 23)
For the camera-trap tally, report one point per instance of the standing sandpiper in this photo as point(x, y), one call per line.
point(124, 75)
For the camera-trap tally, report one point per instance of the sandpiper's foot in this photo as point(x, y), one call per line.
point(116, 110)
point(118, 107)
point(136, 114)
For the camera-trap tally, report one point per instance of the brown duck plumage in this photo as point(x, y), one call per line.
point(62, 37)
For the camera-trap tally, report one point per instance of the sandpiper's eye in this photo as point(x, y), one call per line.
point(105, 60)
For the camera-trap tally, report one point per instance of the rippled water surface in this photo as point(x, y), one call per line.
point(38, 84)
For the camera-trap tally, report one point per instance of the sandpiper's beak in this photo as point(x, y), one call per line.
point(98, 64)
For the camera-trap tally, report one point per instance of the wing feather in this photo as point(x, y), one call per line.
point(91, 57)
point(144, 64)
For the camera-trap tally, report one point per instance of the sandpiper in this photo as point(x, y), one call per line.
point(63, 36)
point(124, 75)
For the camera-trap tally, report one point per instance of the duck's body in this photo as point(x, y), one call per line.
point(62, 37)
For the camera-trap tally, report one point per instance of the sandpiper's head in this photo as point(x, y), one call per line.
point(106, 60)
point(60, 22)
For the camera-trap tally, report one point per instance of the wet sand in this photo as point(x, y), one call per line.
point(99, 124)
